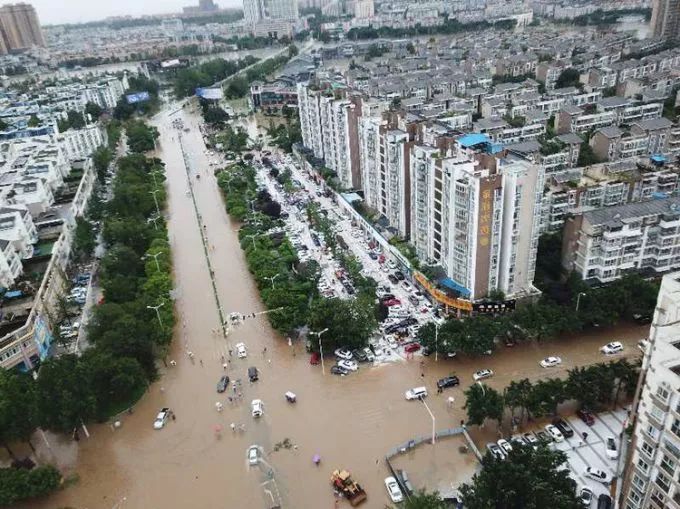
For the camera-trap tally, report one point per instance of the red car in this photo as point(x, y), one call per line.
point(412, 347)
point(586, 417)
point(315, 359)
point(392, 302)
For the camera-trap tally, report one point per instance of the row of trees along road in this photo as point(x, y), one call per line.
point(125, 335)
point(285, 282)
point(186, 81)
point(594, 387)
point(546, 318)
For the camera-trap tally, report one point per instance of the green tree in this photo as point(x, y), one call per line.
point(17, 484)
point(33, 121)
point(64, 394)
point(481, 403)
point(424, 500)
point(114, 379)
point(93, 110)
point(529, 479)
point(84, 239)
point(568, 78)
point(293, 50)
point(349, 322)
point(586, 156)
point(546, 395)
point(18, 417)
point(101, 158)
point(518, 395)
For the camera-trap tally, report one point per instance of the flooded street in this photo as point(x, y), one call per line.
point(350, 422)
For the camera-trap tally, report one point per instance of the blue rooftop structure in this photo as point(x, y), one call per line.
point(658, 158)
point(472, 139)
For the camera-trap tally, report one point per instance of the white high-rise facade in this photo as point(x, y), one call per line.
point(478, 218)
point(652, 471)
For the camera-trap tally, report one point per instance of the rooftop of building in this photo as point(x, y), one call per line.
point(616, 216)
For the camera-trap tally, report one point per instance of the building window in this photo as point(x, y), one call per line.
point(663, 482)
point(662, 393)
point(647, 449)
point(667, 464)
point(638, 482)
point(652, 432)
point(643, 465)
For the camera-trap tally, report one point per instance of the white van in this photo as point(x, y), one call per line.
point(416, 393)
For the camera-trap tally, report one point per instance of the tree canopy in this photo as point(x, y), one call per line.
point(527, 479)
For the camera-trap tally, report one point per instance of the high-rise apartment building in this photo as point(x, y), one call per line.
point(283, 9)
point(477, 215)
point(666, 18)
point(20, 27)
point(255, 11)
point(652, 469)
point(329, 123)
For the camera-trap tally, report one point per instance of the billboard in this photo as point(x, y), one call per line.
point(137, 97)
point(210, 93)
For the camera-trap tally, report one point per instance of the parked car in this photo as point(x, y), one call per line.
point(405, 482)
point(482, 374)
point(531, 439)
point(393, 489)
point(612, 348)
point(611, 449)
point(518, 440)
point(585, 496)
point(551, 362)
point(412, 347)
point(253, 455)
point(343, 353)
point(359, 355)
point(337, 370)
point(161, 418)
point(241, 350)
point(253, 374)
point(399, 275)
point(448, 381)
point(257, 408)
point(505, 446)
point(586, 416)
point(495, 451)
point(598, 475)
point(223, 384)
point(370, 356)
point(348, 365)
point(564, 427)
point(554, 433)
point(543, 437)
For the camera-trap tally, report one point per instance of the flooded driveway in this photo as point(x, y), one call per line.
point(349, 421)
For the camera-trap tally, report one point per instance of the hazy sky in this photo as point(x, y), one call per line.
point(53, 12)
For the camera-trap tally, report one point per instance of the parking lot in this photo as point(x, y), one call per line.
point(407, 308)
point(589, 450)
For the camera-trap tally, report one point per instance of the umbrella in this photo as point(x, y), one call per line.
point(316, 459)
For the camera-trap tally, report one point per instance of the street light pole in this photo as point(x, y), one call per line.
point(434, 432)
point(436, 342)
point(158, 313)
point(273, 278)
point(319, 334)
point(153, 193)
point(155, 257)
point(578, 300)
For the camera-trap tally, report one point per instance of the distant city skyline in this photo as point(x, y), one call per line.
point(82, 11)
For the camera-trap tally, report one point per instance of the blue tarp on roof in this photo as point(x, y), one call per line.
point(472, 139)
point(450, 283)
point(13, 294)
point(496, 148)
point(658, 158)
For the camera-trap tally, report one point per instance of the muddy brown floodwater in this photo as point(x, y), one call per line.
point(349, 421)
